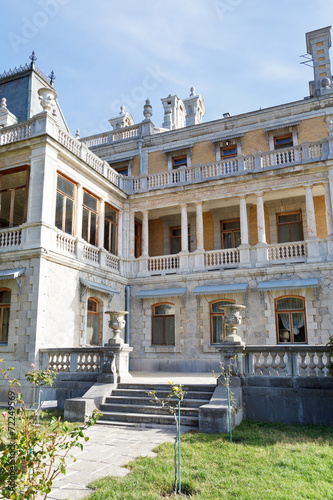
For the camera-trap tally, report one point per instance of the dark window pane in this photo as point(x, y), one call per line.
point(284, 327)
point(93, 228)
point(176, 232)
point(237, 239)
point(164, 309)
point(218, 306)
point(179, 162)
point(234, 224)
point(228, 152)
point(284, 234)
point(175, 245)
point(110, 214)
point(19, 204)
point(296, 232)
point(169, 330)
point(89, 201)
point(65, 186)
point(158, 331)
point(107, 240)
point(5, 209)
point(5, 297)
point(217, 329)
point(4, 325)
point(69, 216)
point(289, 303)
point(59, 211)
point(227, 240)
point(92, 305)
point(85, 219)
point(113, 239)
point(95, 324)
point(298, 324)
point(14, 180)
point(295, 217)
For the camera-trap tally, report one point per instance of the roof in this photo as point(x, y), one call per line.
point(97, 286)
point(164, 292)
point(7, 274)
point(288, 284)
point(217, 289)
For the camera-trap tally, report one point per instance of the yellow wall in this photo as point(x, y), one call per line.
point(203, 152)
point(320, 212)
point(157, 162)
point(312, 129)
point(156, 237)
point(208, 226)
point(136, 166)
point(254, 141)
point(253, 226)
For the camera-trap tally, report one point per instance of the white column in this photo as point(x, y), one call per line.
point(243, 220)
point(184, 230)
point(79, 201)
point(101, 224)
point(310, 213)
point(120, 234)
point(261, 219)
point(145, 233)
point(131, 234)
point(328, 206)
point(199, 221)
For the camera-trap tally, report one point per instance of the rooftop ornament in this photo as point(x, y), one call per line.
point(33, 59)
point(147, 110)
point(47, 98)
point(52, 78)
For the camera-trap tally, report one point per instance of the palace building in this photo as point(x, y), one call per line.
point(169, 223)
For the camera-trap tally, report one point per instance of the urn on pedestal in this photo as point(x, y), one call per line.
point(116, 323)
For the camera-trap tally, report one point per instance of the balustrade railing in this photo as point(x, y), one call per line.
point(163, 263)
point(112, 262)
point(74, 359)
point(90, 253)
point(10, 238)
point(16, 133)
point(66, 243)
point(290, 360)
point(222, 257)
point(284, 251)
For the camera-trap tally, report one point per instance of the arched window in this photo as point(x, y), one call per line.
point(93, 322)
point(4, 315)
point(163, 324)
point(217, 326)
point(290, 319)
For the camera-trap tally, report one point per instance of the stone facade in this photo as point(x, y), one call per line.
point(237, 202)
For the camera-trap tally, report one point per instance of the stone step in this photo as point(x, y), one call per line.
point(147, 409)
point(123, 400)
point(167, 387)
point(137, 393)
point(146, 418)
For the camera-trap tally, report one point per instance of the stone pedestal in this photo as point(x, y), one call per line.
point(313, 250)
point(116, 362)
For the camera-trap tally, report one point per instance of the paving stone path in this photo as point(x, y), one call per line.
point(108, 449)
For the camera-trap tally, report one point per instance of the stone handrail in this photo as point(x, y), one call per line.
point(10, 237)
point(222, 257)
point(281, 251)
point(74, 359)
point(287, 360)
point(163, 263)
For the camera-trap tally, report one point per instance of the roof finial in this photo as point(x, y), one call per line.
point(122, 110)
point(192, 90)
point(52, 78)
point(33, 59)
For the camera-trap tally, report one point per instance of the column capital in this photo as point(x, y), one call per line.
point(198, 203)
point(259, 194)
point(183, 205)
point(242, 196)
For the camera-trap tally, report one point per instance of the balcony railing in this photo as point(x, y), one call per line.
point(222, 257)
point(287, 360)
point(10, 238)
point(74, 359)
point(163, 263)
point(286, 251)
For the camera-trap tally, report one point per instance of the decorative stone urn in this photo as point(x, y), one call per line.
point(47, 98)
point(116, 323)
point(233, 318)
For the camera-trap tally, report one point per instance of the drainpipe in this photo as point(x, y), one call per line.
point(127, 308)
point(140, 143)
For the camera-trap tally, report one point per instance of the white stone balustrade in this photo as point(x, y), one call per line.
point(66, 243)
point(163, 263)
point(222, 257)
point(10, 238)
point(290, 360)
point(286, 251)
point(74, 360)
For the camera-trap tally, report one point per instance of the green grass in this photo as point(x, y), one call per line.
point(265, 462)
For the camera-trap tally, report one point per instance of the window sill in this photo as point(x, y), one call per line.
point(163, 348)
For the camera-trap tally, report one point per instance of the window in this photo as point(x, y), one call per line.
point(290, 320)
point(230, 233)
point(110, 229)
point(289, 227)
point(13, 197)
point(179, 161)
point(89, 218)
point(163, 330)
point(217, 326)
point(283, 141)
point(4, 318)
point(93, 322)
point(64, 219)
point(228, 152)
point(138, 239)
point(122, 171)
point(176, 239)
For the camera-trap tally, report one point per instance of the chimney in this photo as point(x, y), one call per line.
point(318, 43)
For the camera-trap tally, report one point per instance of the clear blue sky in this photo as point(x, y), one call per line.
point(239, 54)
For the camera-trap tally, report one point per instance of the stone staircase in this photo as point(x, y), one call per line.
point(130, 405)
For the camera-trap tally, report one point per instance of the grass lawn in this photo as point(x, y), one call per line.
point(265, 462)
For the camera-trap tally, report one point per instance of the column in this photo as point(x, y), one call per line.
point(243, 220)
point(312, 239)
point(184, 230)
point(310, 213)
point(199, 220)
point(261, 219)
point(101, 224)
point(145, 233)
point(328, 206)
point(131, 234)
point(79, 201)
point(120, 234)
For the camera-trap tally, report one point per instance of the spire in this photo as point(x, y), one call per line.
point(33, 59)
point(52, 78)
